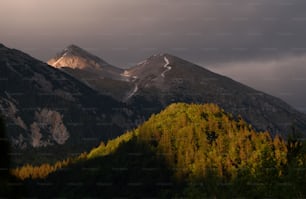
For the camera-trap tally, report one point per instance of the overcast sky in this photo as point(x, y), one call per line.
point(258, 42)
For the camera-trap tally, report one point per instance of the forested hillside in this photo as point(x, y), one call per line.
point(192, 151)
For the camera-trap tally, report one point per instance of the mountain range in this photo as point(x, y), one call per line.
point(70, 106)
point(81, 127)
point(162, 79)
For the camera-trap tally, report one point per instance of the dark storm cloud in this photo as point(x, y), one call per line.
point(209, 32)
point(282, 77)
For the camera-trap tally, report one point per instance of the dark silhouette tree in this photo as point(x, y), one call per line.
point(4, 160)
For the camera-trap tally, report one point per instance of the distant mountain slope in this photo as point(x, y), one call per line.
point(117, 89)
point(163, 79)
point(47, 110)
point(93, 71)
point(189, 151)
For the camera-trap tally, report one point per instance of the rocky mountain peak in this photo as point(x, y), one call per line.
point(156, 58)
point(74, 47)
point(75, 57)
point(74, 50)
point(166, 66)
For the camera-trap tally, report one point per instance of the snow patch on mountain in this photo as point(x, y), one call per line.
point(142, 62)
point(167, 66)
point(126, 74)
point(133, 92)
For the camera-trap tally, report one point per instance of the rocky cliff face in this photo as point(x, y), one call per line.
point(51, 122)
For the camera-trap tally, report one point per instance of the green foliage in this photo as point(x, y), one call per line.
point(110, 147)
point(42, 171)
point(192, 151)
point(195, 142)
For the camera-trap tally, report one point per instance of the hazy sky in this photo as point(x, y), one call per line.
point(261, 43)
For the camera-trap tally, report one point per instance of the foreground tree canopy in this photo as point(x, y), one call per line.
point(191, 151)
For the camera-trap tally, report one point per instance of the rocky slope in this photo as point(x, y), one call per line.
point(92, 70)
point(162, 79)
point(47, 110)
point(78, 58)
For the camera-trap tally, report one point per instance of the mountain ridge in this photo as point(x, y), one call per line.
point(162, 79)
point(166, 78)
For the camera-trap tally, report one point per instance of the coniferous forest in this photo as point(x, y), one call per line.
point(186, 151)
